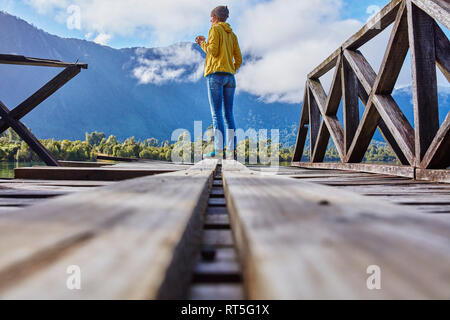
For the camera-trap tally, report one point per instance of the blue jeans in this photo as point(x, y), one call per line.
point(221, 86)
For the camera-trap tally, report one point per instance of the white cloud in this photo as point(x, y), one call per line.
point(102, 38)
point(291, 37)
point(180, 63)
point(288, 37)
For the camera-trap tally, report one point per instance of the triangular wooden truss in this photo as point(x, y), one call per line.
point(11, 118)
point(425, 146)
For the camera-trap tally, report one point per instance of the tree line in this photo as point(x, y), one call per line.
point(12, 148)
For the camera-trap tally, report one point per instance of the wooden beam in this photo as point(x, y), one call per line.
point(423, 71)
point(301, 240)
point(437, 9)
point(326, 65)
point(442, 176)
point(442, 51)
point(335, 94)
point(86, 173)
point(136, 239)
point(374, 26)
point(39, 96)
point(21, 60)
point(332, 125)
point(314, 121)
point(302, 129)
point(350, 104)
point(438, 154)
point(321, 145)
point(28, 137)
point(394, 170)
point(113, 158)
point(397, 124)
point(395, 54)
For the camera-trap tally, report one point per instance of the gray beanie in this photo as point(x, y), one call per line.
point(221, 12)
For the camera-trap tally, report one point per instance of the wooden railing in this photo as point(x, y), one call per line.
point(11, 118)
point(426, 146)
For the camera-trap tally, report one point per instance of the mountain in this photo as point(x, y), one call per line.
point(108, 97)
point(114, 95)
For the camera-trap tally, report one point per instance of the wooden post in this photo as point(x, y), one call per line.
point(423, 71)
point(302, 129)
point(28, 137)
point(314, 122)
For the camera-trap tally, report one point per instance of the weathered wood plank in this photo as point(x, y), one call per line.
point(299, 240)
point(403, 171)
point(435, 175)
point(442, 51)
point(424, 81)
point(326, 65)
point(21, 60)
point(438, 154)
point(350, 104)
point(135, 239)
point(112, 158)
point(66, 173)
point(64, 163)
point(302, 129)
point(374, 26)
point(395, 54)
point(314, 120)
point(438, 9)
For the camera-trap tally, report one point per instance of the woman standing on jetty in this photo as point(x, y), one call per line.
point(223, 59)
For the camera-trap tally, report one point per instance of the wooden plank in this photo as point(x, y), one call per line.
point(28, 137)
point(39, 96)
point(435, 175)
point(21, 60)
point(83, 164)
point(374, 26)
point(335, 95)
point(129, 240)
point(302, 129)
point(299, 240)
point(438, 9)
point(112, 158)
point(402, 171)
point(442, 51)
point(331, 126)
point(350, 104)
point(326, 65)
point(15, 193)
point(438, 154)
point(314, 121)
point(101, 174)
point(424, 81)
point(321, 145)
point(395, 54)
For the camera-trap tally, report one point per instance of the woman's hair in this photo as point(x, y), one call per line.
point(221, 13)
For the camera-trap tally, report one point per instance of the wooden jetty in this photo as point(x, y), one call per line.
point(219, 229)
point(222, 230)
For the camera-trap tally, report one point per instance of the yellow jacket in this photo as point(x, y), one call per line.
point(221, 48)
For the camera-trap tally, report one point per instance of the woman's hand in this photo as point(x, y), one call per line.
point(199, 39)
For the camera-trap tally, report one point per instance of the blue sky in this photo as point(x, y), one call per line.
point(48, 21)
point(290, 37)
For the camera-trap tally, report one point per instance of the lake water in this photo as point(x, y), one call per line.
point(7, 168)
